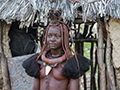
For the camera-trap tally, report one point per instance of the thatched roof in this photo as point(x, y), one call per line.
point(103, 8)
point(25, 10)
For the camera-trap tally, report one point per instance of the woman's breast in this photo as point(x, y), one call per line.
point(57, 73)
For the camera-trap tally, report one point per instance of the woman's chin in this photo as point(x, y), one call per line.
point(54, 48)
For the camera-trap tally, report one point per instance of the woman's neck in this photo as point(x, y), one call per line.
point(56, 52)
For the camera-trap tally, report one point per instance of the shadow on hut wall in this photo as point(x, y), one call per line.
point(22, 42)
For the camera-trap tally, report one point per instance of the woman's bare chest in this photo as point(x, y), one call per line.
point(55, 72)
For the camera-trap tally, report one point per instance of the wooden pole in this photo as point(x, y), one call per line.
point(4, 66)
point(109, 67)
point(0, 37)
point(101, 65)
point(86, 40)
point(94, 70)
point(85, 30)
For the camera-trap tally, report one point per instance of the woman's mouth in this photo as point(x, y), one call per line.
point(52, 44)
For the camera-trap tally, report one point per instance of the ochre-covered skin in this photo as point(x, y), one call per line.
point(55, 79)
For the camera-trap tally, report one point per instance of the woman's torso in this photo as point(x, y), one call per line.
point(55, 79)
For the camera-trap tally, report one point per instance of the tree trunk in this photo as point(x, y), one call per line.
point(101, 65)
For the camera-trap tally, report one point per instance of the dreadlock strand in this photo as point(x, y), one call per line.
point(69, 29)
point(45, 42)
point(66, 41)
point(62, 37)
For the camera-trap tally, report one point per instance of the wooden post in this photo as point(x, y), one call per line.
point(0, 37)
point(101, 65)
point(92, 70)
point(108, 61)
point(4, 66)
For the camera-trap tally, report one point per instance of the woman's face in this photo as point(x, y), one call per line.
point(54, 39)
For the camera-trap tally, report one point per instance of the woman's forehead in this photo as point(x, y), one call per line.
point(54, 29)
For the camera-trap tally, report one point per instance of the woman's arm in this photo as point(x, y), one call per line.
point(36, 85)
point(74, 84)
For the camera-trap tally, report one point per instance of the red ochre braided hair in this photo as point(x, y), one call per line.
point(57, 21)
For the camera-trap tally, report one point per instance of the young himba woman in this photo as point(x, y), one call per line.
point(58, 52)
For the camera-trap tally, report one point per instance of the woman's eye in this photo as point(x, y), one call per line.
point(49, 36)
point(57, 36)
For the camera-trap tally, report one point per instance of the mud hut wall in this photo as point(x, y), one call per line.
point(6, 40)
point(4, 54)
point(114, 29)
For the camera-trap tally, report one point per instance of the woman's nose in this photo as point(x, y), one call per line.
point(52, 38)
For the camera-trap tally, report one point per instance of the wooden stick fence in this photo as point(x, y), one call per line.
point(100, 55)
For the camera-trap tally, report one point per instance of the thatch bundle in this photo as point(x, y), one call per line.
point(25, 11)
